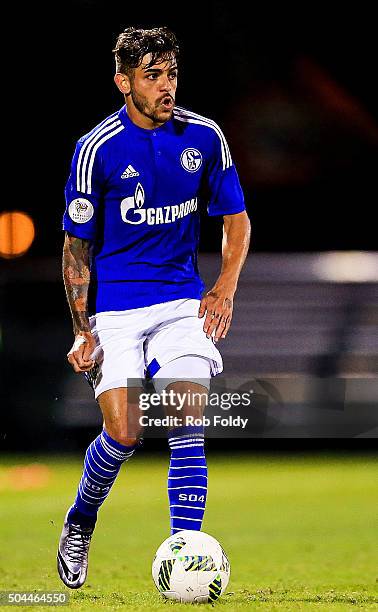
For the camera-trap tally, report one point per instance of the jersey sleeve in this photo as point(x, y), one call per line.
point(224, 189)
point(83, 192)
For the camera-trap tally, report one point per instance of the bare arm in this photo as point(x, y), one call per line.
point(76, 277)
point(218, 302)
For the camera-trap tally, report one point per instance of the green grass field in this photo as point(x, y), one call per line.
point(300, 533)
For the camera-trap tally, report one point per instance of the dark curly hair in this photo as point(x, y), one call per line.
point(133, 43)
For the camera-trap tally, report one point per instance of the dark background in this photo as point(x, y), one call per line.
point(294, 90)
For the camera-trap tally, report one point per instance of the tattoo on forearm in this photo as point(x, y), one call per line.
point(76, 277)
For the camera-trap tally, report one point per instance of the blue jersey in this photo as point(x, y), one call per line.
point(137, 194)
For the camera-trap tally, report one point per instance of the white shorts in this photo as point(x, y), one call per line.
point(135, 343)
point(189, 367)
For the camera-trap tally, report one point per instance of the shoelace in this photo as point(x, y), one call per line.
point(77, 542)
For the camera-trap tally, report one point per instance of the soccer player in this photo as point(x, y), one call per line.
point(138, 182)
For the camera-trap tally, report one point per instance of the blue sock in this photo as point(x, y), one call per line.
point(102, 463)
point(187, 478)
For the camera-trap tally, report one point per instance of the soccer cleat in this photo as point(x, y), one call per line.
point(73, 554)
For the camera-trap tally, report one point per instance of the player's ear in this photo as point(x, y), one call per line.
point(123, 82)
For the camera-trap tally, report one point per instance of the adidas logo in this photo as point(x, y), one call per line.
point(129, 172)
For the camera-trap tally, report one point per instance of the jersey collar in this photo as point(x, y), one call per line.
point(124, 117)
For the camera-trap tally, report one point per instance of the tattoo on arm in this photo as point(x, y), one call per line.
point(76, 277)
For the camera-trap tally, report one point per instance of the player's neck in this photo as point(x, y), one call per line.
point(141, 120)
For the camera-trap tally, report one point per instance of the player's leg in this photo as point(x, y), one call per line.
point(187, 474)
point(119, 358)
point(178, 348)
point(103, 460)
point(105, 455)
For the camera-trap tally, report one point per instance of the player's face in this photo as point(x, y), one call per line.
point(153, 91)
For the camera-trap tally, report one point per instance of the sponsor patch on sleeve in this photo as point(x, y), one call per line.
point(80, 210)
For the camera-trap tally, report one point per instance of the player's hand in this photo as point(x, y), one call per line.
point(217, 304)
point(80, 355)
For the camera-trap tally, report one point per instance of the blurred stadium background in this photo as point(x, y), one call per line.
point(298, 104)
point(295, 94)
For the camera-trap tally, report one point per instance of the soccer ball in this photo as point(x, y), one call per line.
point(191, 566)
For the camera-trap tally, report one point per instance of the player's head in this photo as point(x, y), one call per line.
point(146, 72)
